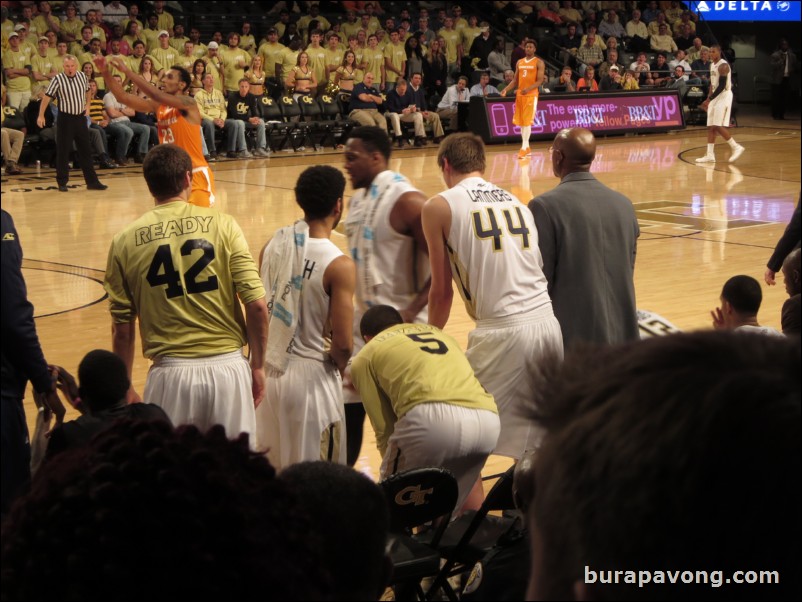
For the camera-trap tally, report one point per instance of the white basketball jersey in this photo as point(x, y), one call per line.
point(312, 338)
point(714, 76)
point(492, 245)
point(403, 266)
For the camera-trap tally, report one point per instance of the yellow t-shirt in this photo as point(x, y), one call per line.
point(410, 364)
point(397, 55)
point(124, 59)
point(317, 62)
point(39, 26)
point(17, 60)
point(271, 54)
point(125, 22)
point(180, 268)
point(150, 37)
point(453, 39)
point(199, 50)
point(99, 33)
point(247, 43)
point(58, 63)
point(167, 57)
point(350, 29)
point(73, 27)
point(374, 62)
point(186, 61)
point(334, 57)
point(215, 67)
point(303, 23)
point(43, 65)
point(234, 63)
point(289, 59)
point(178, 43)
point(165, 22)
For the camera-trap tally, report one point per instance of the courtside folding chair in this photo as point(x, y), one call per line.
point(417, 497)
point(475, 533)
point(333, 124)
point(310, 110)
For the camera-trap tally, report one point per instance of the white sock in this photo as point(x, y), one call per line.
point(733, 144)
point(710, 151)
point(525, 131)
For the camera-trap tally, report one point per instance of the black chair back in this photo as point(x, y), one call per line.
point(270, 109)
point(309, 107)
point(418, 496)
point(289, 108)
point(329, 108)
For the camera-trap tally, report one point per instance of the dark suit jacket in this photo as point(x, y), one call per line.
point(418, 98)
point(788, 242)
point(587, 234)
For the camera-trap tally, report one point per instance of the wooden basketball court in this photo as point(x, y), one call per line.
point(699, 226)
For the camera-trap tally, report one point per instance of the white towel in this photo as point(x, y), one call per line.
point(282, 275)
point(368, 277)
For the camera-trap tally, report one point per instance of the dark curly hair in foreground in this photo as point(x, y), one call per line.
point(146, 512)
point(680, 453)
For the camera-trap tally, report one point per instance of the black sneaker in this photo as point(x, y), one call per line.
point(97, 186)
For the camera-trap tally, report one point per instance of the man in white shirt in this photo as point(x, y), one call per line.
point(120, 113)
point(483, 88)
point(114, 12)
point(447, 107)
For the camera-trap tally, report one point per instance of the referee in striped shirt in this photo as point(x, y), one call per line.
point(71, 89)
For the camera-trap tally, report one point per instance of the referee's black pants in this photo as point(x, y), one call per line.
point(71, 128)
point(779, 96)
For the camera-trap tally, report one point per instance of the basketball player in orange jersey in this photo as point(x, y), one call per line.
point(177, 115)
point(529, 74)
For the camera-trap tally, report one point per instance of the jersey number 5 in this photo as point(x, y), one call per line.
point(494, 231)
point(438, 348)
point(162, 270)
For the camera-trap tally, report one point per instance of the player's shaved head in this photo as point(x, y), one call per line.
point(574, 150)
point(377, 319)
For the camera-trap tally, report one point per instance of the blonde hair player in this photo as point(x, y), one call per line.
point(529, 75)
point(179, 119)
point(483, 238)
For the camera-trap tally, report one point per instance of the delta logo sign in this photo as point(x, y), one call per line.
point(748, 11)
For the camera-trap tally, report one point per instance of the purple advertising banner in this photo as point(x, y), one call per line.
point(613, 113)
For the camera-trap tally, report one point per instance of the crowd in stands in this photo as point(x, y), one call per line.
point(651, 44)
point(297, 54)
point(299, 51)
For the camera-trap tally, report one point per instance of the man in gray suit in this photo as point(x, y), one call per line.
point(587, 235)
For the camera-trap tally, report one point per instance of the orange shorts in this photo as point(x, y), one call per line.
point(525, 107)
point(202, 193)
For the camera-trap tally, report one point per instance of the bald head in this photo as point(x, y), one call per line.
point(574, 150)
point(792, 271)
